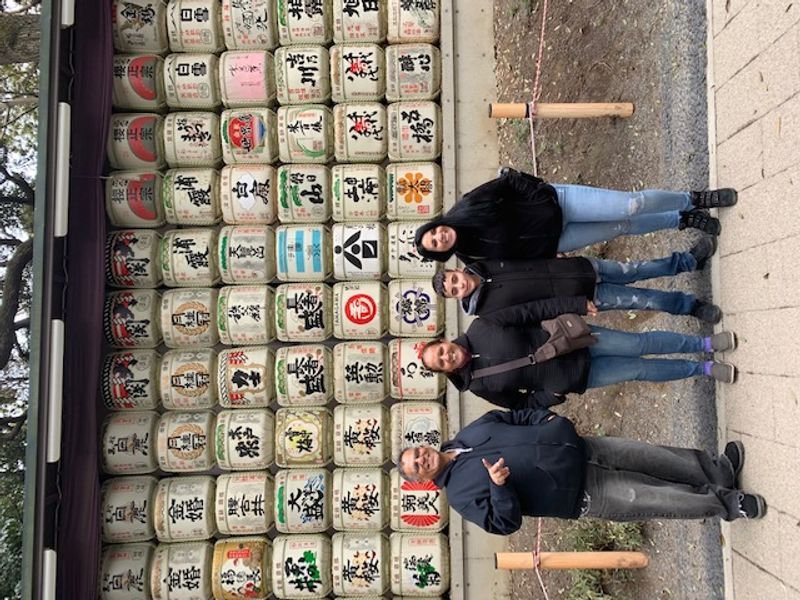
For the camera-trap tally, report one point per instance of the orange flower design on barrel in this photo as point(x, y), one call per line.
point(413, 187)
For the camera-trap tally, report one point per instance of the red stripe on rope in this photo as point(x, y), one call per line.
point(537, 87)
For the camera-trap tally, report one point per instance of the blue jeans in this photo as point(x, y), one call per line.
point(592, 215)
point(616, 357)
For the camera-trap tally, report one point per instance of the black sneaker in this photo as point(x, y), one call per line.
point(700, 219)
point(715, 198)
point(705, 311)
point(703, 250)
point(735, 453)
point(752, 506)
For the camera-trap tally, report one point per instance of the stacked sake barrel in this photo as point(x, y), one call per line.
point(270, 163)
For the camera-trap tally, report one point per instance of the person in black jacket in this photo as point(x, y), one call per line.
point(520, 216)
point(507, 465)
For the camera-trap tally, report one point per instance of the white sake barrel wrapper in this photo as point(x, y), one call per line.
point(360, 563)
point(186, 442)
point(244, 314)
point(305, 134)
point(301, 566)
point(303, 252)
point(413, 72)
point(138, 82)
point(185, 509)
point(303, 437)
point(249, 135)
point(189, 257)
point(245, 503)
point(139, 26)
point(417, 505)
point(305, 22)
point(415, 131)
point(304, 375)
point(244, 439)
point(191, 81)
point(246, 254)
point(136, 141)
point(361, 435)
point(417, 424)
point(247, 78)
point(188, 318)
point(189, 379)
point(195, 26)
point(415, 309)
point(242, 568)
point(413, 21)
point(182, 571)
point(420, 564)
point(132, 259)
point(413, 191)
point(125, 571)
point(133, 199)
point(404, 259)
point(303, 312)
point(129, 380)
point(191, 196)
point(244, 376)
point(360, 132)
point(247, 194)
point(128, 443)
point(126, 505)
point(359, 21)
point(358, 192)
point(359, 310)
point(360, 372)
point(358, 73)
point(249, 24)
point(359, 250)
point(130, 319)
point(303, 500)
point(302, 74)
point(304, 193)
point(409, 379)
point(192, 139)
point(360, 499)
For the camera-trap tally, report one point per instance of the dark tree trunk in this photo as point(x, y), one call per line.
point(11, 288)
point(19, 39)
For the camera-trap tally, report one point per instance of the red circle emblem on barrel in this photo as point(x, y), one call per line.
point(360, 309)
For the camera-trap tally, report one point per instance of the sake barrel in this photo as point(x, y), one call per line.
point(420, 564)
point(189, 257)
point(191, 196)
point(409, 378)
point(126, 505)
point(417, 505)
point(191, 81)
point(194, 26)
point(129, 380)
point(188, 379)
point(249, 24)
point(187, 318)
point(244, 376)
point(360, 563)
point(305, 134)
point(245, 502)
point(247, 194)
point(360, 132)
point(303, 437)
point(417, 424)
point(303, 312)
point(413, 72)
point(185, 441)
point(244, 439)
point(358, 73)
point(305, 22)
point(415, 131)
point(246, 254)
point(359, 21)
point(249, 135)
point(404, 259)
point(182, 571)
point(138, 82)
point(413, 191)
point(361, 435)
point(132, 259)
point(128, 443)
point(302, 500)
point(301, 566)
point(130, 319)
point(125, 571)
point(136, 141)
point(360, 372)
point(358, 192)
point(414, 308)
point(413, 21)
point(303, 252)
point(304, 193)
point(244, 314)
point(133, 199)
point(242, 568)
point(139, 26)
point(185, 509)
point(359, 250)
point(302, 74)
point(303, 375)
point(247, 78)
point(359, 310)
point(192, 139)
point(360, 499)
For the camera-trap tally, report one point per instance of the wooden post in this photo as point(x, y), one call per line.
point(577, 110)
point(572, 560)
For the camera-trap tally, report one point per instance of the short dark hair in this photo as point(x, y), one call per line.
point(400, 470)
point(438, 283)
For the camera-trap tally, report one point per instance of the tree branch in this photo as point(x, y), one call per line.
point(20, 182)
point(11, 295)
point(10, 427)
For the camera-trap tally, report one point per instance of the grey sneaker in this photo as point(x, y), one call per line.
point(723, 372)
point(723, 341)
point(705, 311)
point(703, 250)
point(752, 506)
point(734, 451)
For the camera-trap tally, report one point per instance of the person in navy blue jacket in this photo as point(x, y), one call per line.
point(532, 462)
